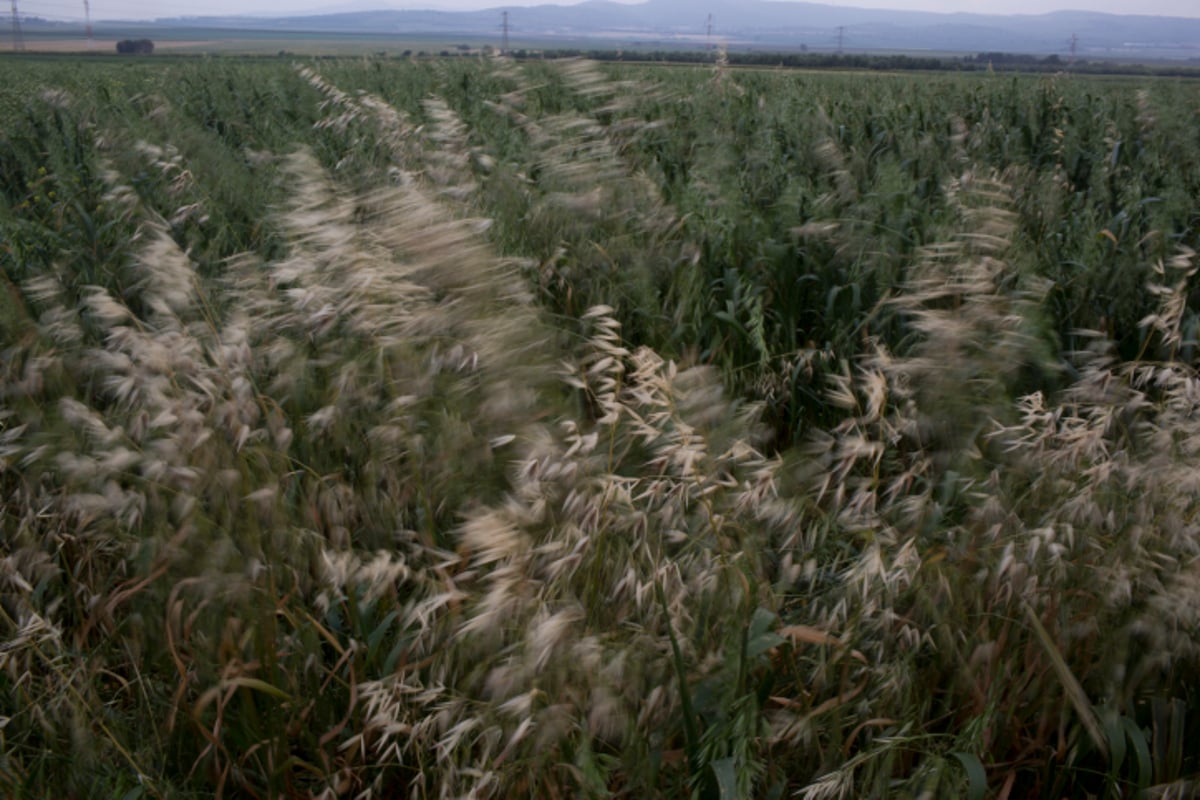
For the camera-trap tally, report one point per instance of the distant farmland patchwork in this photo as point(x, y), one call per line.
point(378, 427)
point(742, 25)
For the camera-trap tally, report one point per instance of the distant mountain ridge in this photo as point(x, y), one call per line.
point(763, 23)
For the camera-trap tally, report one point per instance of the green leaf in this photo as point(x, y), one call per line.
point(1115, 735)
point(726, 774)
point(760, 638)
point(377, 635)
point(1168, 718)
point(393, 656)
point(1178, 711)
point(1141, 751)
point(761, 644)
point(761, 621)
point(592, 772)
point(976, 774)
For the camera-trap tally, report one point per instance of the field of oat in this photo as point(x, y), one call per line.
point(470, 427)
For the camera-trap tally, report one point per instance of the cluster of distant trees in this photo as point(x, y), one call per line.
point(1007, 62)
point(135, 47)
point(1011, 58)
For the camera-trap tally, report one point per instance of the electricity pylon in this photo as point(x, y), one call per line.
point(18, 39)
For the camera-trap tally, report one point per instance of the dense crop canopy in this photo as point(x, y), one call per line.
point(489, 428)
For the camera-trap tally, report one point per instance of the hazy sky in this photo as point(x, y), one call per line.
point(149, 9)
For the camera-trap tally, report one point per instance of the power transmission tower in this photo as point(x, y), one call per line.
point(87, 15)
point(708, 32)
point(18, 39)
point(504, 34)
point(841, 37)
point(1074, 47)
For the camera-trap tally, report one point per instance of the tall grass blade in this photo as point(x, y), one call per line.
point(1075, 693)
point(690, 728)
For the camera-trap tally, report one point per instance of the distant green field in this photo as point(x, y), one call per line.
point(388, 427)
